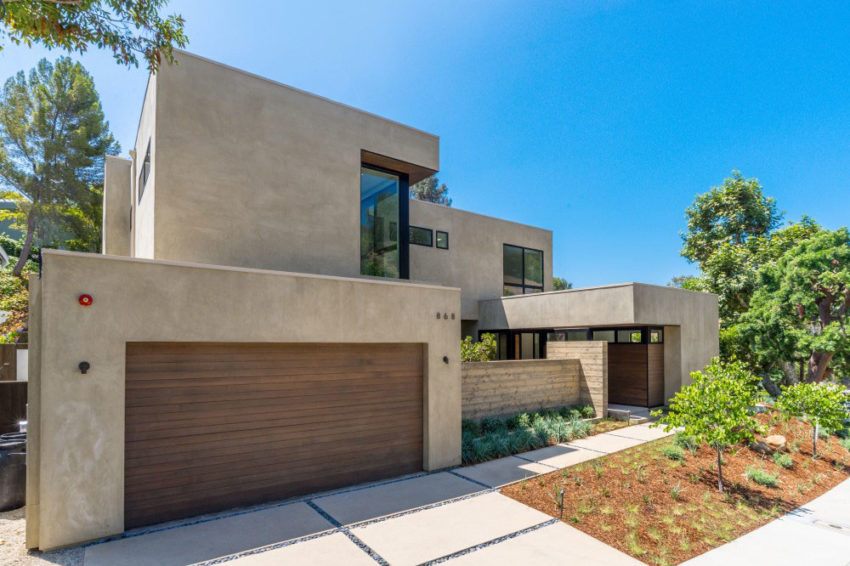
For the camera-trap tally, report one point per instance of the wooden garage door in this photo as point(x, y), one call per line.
point(212, 426)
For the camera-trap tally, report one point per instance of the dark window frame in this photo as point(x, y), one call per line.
point(430, 243)
point(145, 172)
point(403, 217)
point(437, 240)
point(522, 288)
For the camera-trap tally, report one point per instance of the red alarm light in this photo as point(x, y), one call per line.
point(86, 300)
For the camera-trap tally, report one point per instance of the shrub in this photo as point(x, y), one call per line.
point(685, 442)
point(542, 431)
point(580, 428)
point(673, 452)
point(520, 420)
point(586, 411)
point(845, 442)
point(783, 460)
point(492, 424)
point(483, 351)
point(470, 427)
point(483, 449)
point(676, 491)
point(762, 477)
point(500, 442)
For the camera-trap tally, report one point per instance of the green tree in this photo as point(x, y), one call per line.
point(130, 28)
point(800, 310)
point(54, 139)
point(561, 284)
point(734, 213)
point(430, 190)
point(821, 404)
point(483, 351)
point(715, 408)
point(689, 282)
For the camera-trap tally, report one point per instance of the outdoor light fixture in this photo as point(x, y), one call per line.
point(84, 367)
point(445, 359)
point(86, 300)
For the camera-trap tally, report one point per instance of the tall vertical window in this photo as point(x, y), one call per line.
point(523, 270)
point(383, 224)
point(145, 172)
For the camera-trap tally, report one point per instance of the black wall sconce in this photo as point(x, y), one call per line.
point(445, 359)
point(84, 367)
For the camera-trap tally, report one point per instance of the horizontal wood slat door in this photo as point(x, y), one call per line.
point(216, 425)
point(627, 374)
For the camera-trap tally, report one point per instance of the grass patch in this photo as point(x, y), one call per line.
point(762, 477)
point(782, 460)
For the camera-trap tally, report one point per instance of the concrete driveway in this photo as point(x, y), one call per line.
point(454, 516)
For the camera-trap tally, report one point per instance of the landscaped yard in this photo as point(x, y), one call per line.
point(495, 437)
point(659, 502)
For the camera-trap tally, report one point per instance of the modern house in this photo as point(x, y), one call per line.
point(221, 356)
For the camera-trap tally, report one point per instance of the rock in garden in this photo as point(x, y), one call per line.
point(776, 442)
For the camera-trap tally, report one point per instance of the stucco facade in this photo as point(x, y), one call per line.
point(473, 261)
point(689, 318)
point(76, 482)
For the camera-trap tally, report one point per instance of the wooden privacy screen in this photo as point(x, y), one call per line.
point(636, 374)
point(216, 425)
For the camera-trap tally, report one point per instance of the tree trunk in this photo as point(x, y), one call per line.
point(719, 469)
point(25, 250)
point(818, 363)
point(771, 388)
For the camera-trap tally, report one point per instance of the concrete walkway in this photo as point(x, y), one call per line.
point(817, 533)
point(454, 516)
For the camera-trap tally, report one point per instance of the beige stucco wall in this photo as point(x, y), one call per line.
point(117, 201)
point(76, 478)
point(253, 173)
point(690, 319)
point(503, 388)
point(474, 260)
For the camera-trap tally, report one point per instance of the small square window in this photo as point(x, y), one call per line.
point(442, 240)
point(656, 336)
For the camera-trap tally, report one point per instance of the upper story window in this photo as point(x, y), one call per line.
point(421, 236)
point(145, 171)
point(383, 223)
point(523, 270)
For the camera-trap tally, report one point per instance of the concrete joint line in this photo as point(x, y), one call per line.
point(585, 448)
point(365, 547)
point(537, 462)
point(463, 477)
point(368, 522)
point(262, 549)
point(327, 516)
point(491, 542)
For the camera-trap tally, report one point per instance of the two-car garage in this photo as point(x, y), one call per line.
point(210, 426)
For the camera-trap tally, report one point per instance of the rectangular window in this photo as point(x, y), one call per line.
point(656, 335)
point(384, 230)
point(421, 236)
point(629, 336)
point(442, 240)
point(523, 270)
point(604, 335)
point(145, 172)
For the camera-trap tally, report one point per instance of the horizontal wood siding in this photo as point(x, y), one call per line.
point(13, 405)
point(214, 425)
point(506, 387)
point(593, 377)
point(655, 370)
point(627, 374)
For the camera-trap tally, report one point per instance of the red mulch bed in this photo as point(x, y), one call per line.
point(629, 501)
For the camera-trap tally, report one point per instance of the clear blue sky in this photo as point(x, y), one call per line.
point(599, 121)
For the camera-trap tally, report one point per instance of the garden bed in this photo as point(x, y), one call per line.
point(495, 437)
point(663, 510)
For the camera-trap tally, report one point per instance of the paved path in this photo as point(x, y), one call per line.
point(817, 533)
point(455, 516)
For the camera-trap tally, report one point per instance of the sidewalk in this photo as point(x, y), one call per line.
point(817, 533)
point(452, 516)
